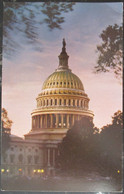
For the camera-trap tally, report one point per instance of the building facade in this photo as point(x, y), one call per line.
point(61, 102)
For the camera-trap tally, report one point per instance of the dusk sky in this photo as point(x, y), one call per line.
point(24, 73)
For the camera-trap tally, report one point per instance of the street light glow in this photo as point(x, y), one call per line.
point(2, 170)
point(42, 170)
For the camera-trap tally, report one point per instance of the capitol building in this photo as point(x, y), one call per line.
point(61, 102)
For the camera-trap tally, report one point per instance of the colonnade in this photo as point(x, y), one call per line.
point(50, 155)
point(62, 102)
point(54, 121)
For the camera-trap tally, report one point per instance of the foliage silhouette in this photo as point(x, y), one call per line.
point(24, 17)
point(76, 148)
point(6, 130)
point(84, 148)
point(110, 51)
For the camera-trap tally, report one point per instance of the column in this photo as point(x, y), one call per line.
point(32, 122)
point(75, 102)
point(53, 157)
point(73, 120)
point(84, 104)
point(51, 123)
point(62, 121)
point(36, 122)
point(57, 120)
point(45, 121)
point(41, 120)
point(48, 157)
point(67, 120)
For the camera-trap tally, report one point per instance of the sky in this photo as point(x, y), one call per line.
point(23, 74)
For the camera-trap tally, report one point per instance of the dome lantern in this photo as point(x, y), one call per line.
point(63, 58)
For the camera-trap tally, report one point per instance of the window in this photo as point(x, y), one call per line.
point(51, 102)
point(69, 102)
point(64, 101)
point(60, 83)
point(20, 149)
point(47, 102)
point(55, 101)
point(64, 83)
point(81, 103)
point(53, 83)
point(29, 159)
point(36, 150)
point(12, 156)
point(20, 158)
point(4, 158)
point(73, 102)
point(12, 148)
point(77, 102)
point(36, 158)
point(68, 83)
point(41, 102)
point(57, 83)
point(60, 101)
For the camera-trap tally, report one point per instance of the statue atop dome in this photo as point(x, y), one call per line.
point(63, 58)
point(64, 44)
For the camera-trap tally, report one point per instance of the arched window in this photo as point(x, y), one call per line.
point(60, 102)
point(12, 148)
point(69, 102)
point(77, 102)
point(60, 83)
point(29, 159)
point(36, 158)
point(73, 102)
point(20, 158)
point(55, 101)
point(47, 102)
point(12, 157)
point(65, 102)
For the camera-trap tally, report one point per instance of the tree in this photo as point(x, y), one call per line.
point(24, 17)
point(6, 130)
point(76, 148)
point(110, 51)
point(111, 144)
